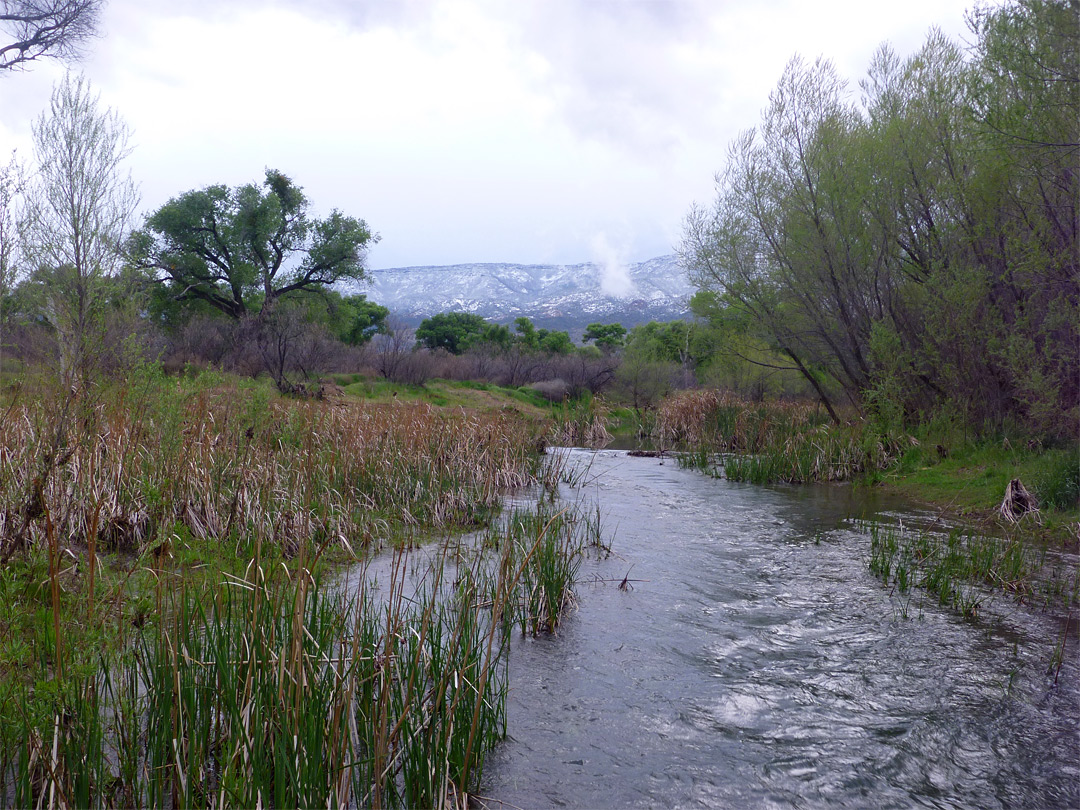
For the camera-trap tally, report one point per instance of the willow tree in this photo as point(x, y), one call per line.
point(1026, 92)
point(918, 251)
point(781, 242)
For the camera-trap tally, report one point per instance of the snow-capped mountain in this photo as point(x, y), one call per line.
point(553, 296)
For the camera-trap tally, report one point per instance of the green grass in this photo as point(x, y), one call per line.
point(449, 394)
point(970, 479)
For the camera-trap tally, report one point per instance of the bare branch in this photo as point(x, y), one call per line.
point(38, 29)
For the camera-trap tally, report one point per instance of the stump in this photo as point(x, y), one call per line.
point(1018, 502)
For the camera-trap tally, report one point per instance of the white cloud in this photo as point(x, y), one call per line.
point(462, 130)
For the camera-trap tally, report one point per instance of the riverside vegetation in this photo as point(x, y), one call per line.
point(168, 634)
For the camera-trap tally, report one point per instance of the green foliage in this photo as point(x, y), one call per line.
point(672, 342)
point(458, 332)
point(497, 337)
point(916, 251)
point(608, 337)
point(239, 250)
point(554, 342)
point(453, 331)
point(526, 332)
point(357, 320)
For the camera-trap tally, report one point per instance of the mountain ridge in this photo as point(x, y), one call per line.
point(566, 296)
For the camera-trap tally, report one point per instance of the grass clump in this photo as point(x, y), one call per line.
point(580, 422)
point(547, 549)
point(962, 570)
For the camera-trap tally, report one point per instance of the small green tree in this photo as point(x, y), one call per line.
point(359, 320)
point(554, 342)
point(608, 337)
point(453, 331)
point(526, 332)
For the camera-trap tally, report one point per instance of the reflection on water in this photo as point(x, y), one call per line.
point(756, 663)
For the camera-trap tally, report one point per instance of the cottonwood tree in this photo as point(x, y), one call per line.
point(79, 206)
point(36, 29)
point(241, 250)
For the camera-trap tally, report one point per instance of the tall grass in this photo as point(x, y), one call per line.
point(261, 693)
point(153, 465)
point(580, 423)
point(150, 680)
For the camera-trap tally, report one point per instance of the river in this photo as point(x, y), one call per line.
point(753, 661)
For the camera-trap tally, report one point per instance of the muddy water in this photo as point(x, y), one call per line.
point(755, 662)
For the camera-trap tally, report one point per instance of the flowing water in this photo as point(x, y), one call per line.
point(753, 661)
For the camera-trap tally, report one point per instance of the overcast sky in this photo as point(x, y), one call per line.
point(537, 131)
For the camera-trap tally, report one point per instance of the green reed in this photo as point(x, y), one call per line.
point(964, 570)
point(272, 691)
point(547, 548)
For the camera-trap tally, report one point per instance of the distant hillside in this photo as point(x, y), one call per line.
point(553, 296)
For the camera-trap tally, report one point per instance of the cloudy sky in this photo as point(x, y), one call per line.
point(540, 131)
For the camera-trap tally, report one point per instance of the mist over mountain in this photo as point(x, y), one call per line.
point(553, 296)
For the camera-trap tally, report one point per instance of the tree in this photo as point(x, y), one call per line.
point(78, 210)
point(358, 320)
point(554, 341)
point(240, 250)
point(526, 332)
point(453, 331)
point(608, 337)
point(46, 28)
point(919, 252)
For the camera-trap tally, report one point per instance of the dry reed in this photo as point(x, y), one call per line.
point(773, 441)
point(223, 465)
